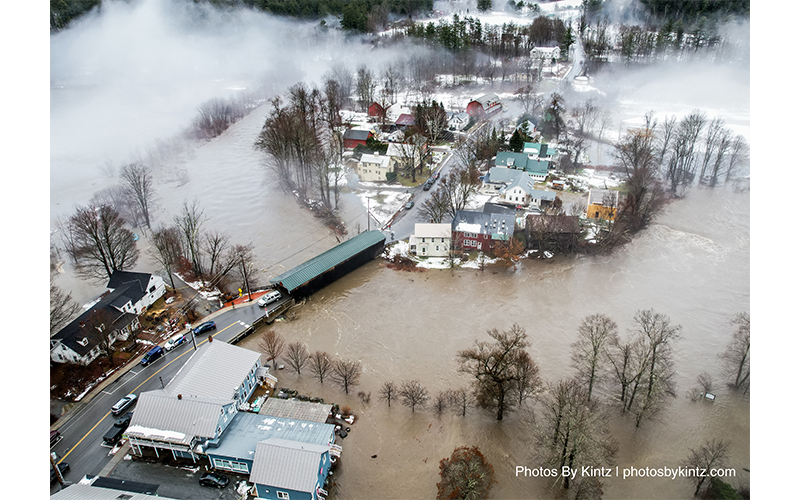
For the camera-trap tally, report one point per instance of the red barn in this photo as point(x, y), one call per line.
point(353, 138)
point(484, 105)
point(376, 110)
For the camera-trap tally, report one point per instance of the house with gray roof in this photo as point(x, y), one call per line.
point(197, 405)
point(80, 340)
point(139, 290)
point(530, 163)
point(235, 451)
point(515, 187)
point(296, 409)
point(284, 469)
point(80, 491)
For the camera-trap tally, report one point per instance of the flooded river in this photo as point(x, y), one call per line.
point(693, 265)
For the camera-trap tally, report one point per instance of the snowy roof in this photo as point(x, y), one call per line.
point(215, 371)
point(397, 150)
point(287, 464)
point(163, 417)
point(483, 223)
point(597, 197)
point(381, 161)
point(432, 230)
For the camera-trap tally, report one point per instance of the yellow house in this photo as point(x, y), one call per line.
point(373, 168)
point(602, 204)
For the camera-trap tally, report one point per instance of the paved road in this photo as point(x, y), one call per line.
point(84, 429)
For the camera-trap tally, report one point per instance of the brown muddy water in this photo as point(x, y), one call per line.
point(693, 265)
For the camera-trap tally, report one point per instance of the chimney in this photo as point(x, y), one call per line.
point(180, 397)
point(210, 339)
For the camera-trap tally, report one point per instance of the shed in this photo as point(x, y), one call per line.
point(327, 267)
point(354, 137)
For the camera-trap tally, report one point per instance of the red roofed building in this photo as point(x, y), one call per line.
point(353, 138)
point(377, 110)
point(484, 105)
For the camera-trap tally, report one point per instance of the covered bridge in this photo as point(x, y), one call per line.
point(331, 265)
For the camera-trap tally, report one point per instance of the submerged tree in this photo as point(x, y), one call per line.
point(711, 454)
point(99, 243)
point(502, 370)
point(321, 365)
point(736, 357)
point(388, 392)
point(465, 475)
point(297, 356)
point(345, 373)
point(272, 344)
point(412, 394)
point(571, 430)
point(138, 180)
point(589, 351)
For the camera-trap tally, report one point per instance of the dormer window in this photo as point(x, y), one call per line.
point(84, 342)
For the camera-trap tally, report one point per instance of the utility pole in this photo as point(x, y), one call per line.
point(368, 213)
point(244, 272)
point(58, 471)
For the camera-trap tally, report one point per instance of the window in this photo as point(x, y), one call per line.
point(282, 495)
point(423, 240)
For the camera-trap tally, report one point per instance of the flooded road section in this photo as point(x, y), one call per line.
point(693, 266)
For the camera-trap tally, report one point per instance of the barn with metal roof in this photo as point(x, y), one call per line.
point(327, 267)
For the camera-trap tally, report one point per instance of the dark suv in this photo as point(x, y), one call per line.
point(214, 479)
point(205, 327)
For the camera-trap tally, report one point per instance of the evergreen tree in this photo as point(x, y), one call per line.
point(517, 142)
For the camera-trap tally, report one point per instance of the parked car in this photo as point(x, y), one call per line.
point(435, 175)
point(62, 468)
point(269, 298)
point(175, 341)
point(123, 404)
point(214, 479)
point(409, 205)
point(205, 327)
point(113, 435)
point(124, 421)
point(152, 355)
point(427, 185)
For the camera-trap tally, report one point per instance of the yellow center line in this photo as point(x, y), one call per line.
point(138, 386)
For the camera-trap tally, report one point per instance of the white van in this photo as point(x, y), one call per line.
point(269, 298)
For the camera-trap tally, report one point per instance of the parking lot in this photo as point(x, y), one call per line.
point(175, 481)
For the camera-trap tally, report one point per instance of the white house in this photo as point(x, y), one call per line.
point(138, 291)
point(515, 187)
point(458, 121)
point(546, 54)
point(373, 168)
point(431, 240)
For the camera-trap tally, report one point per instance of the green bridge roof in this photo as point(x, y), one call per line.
point(310, 269)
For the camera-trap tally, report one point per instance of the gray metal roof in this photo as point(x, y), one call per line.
point(247, 429)
point(163, 417)
point(298, 410)
point(215, 371)
point(79, 491)
point(310, 269)
point(287, 464)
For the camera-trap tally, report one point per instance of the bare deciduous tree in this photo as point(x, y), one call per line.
point(346, 373)
point(190, 222)
point(139, 182)
point(498, 369)
point(589, 351)
point(736, 358)
point(441, 401)
point(321, 365)
point(711, 454)
point(412, 394)
point(99, 242)
point(388, 392)
point(168, 249)
point(272, 344)
point(572, 431)
point(461, 401)
point(62, 308)
point(297, 356)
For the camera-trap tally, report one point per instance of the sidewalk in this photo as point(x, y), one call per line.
point(133, 362)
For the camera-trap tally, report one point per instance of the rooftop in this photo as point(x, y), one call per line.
point(162, 417)
point(299, 410)
point(248, 429)
point(423, 230)
point(310, 269)
point(287, 464)
point(215, 371)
